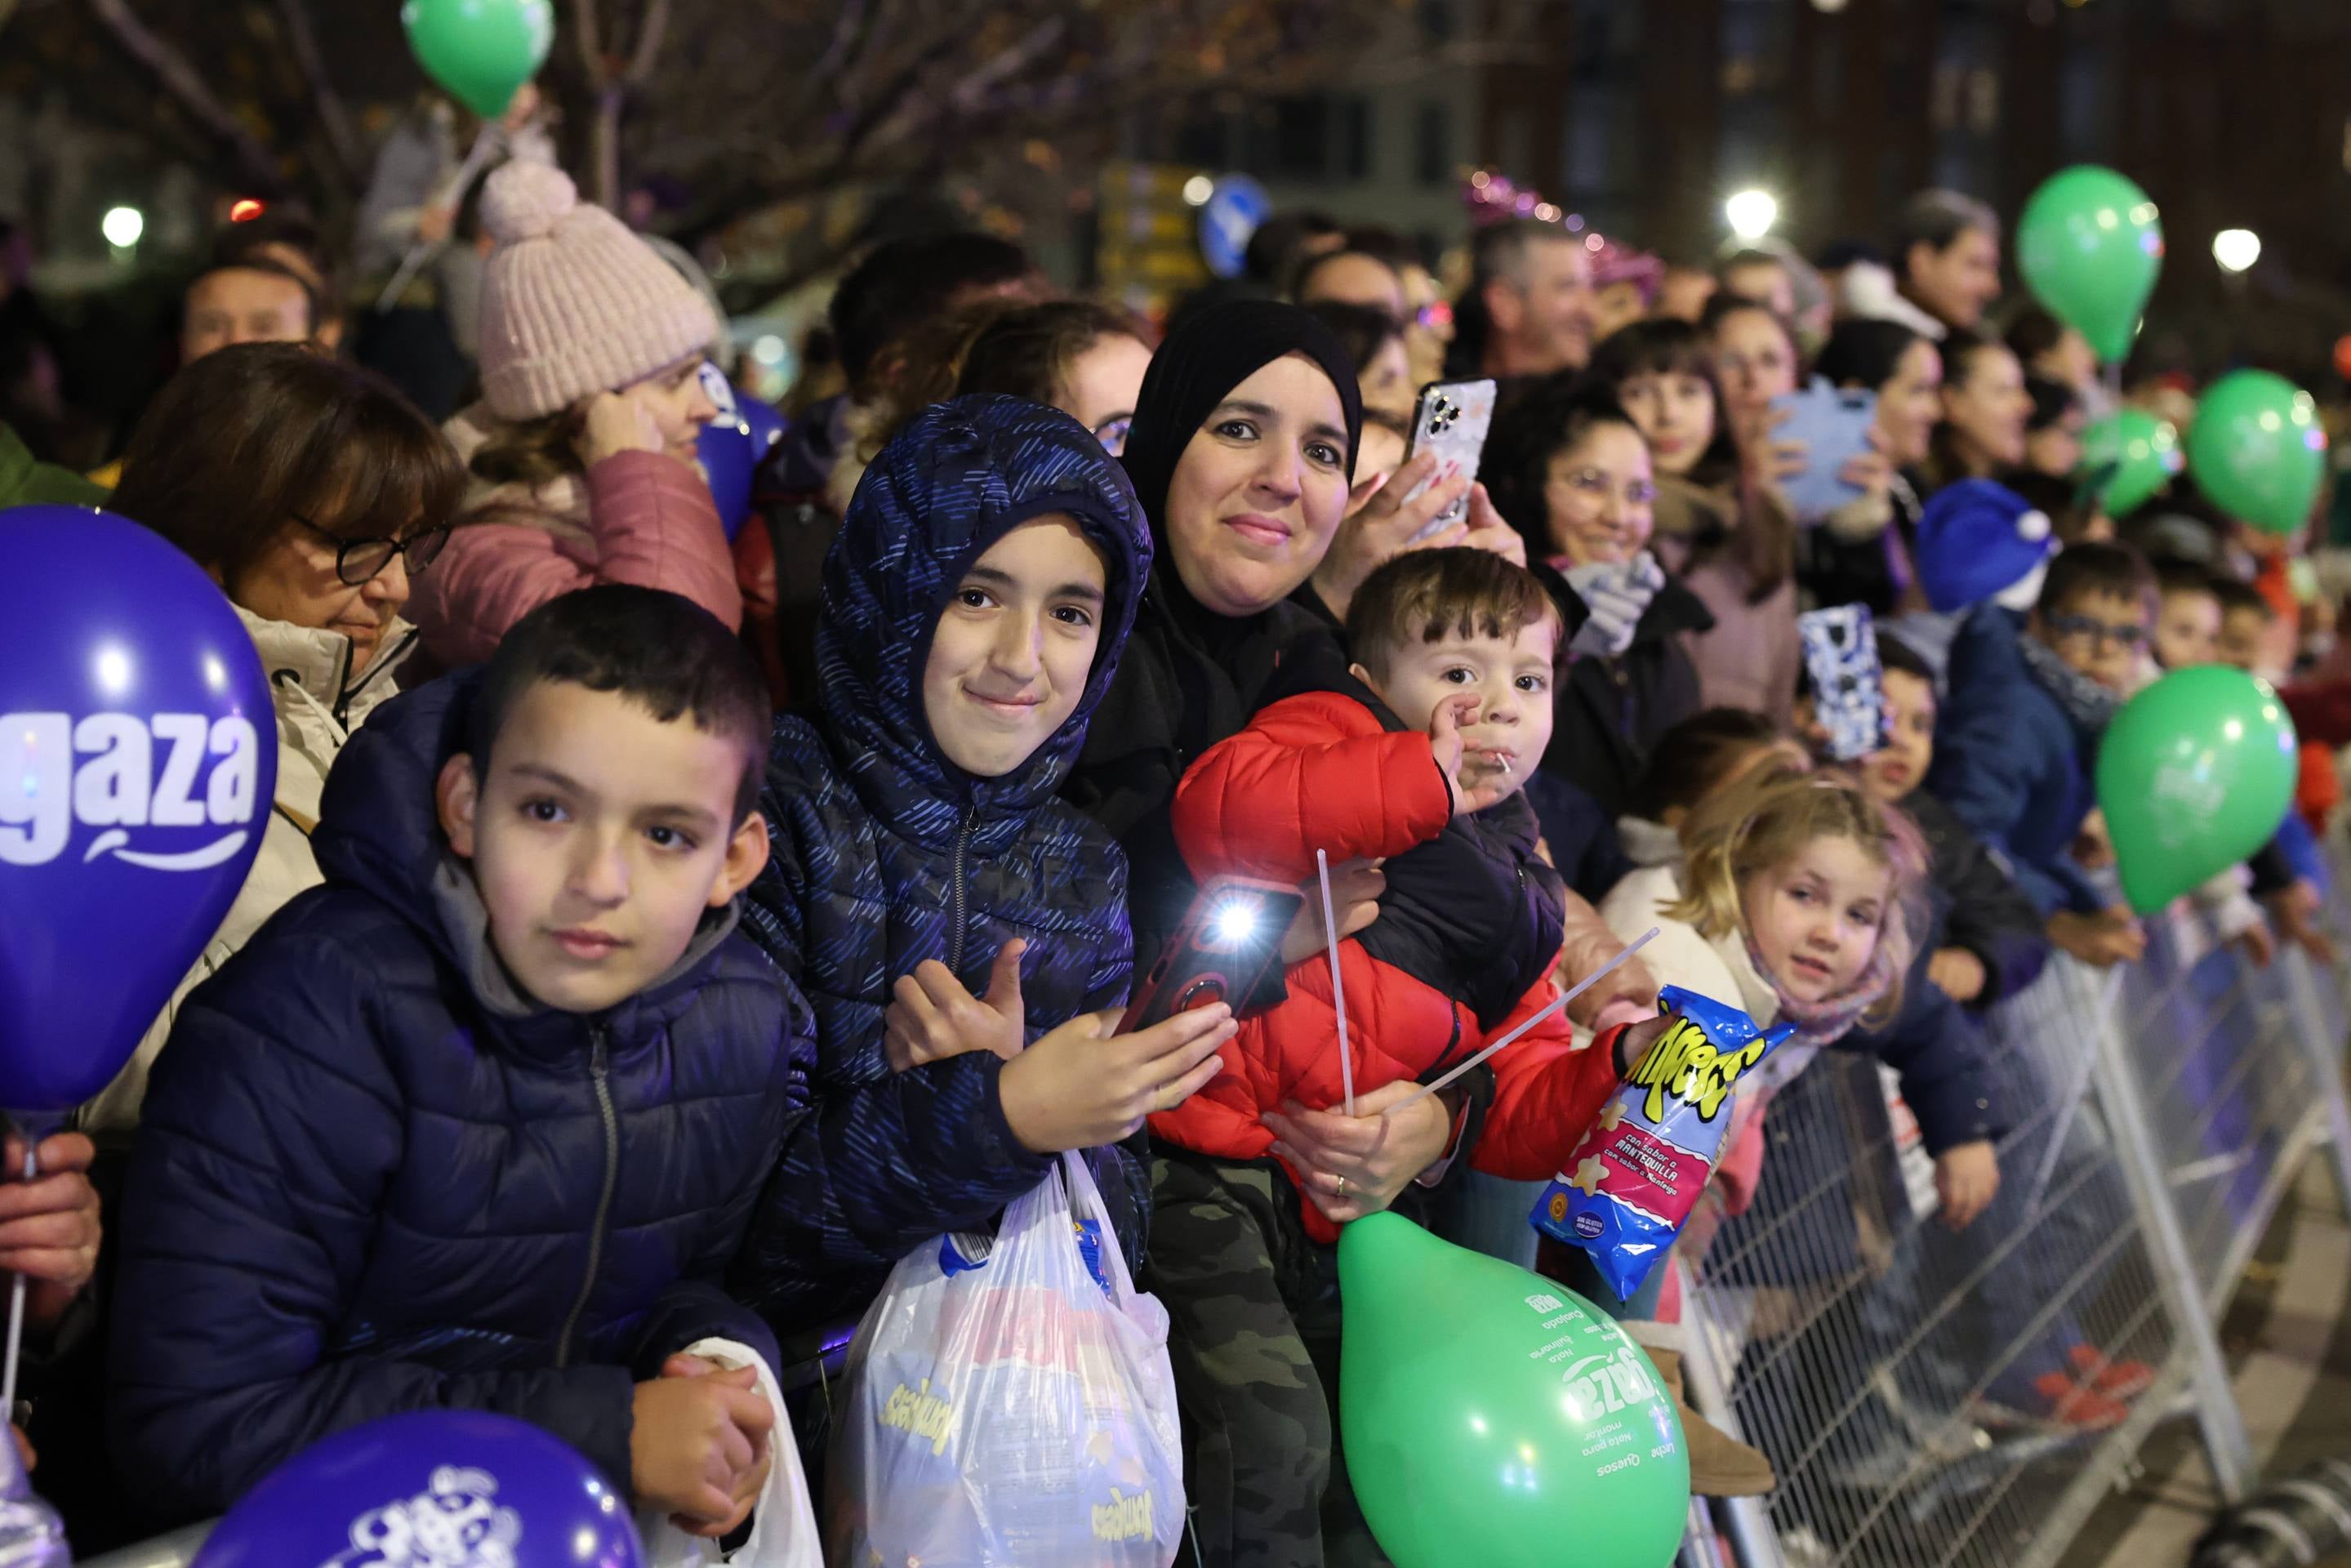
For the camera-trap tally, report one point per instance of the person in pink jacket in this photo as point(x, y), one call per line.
point(582, 451)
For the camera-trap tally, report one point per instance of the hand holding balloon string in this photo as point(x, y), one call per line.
point(48, 1236)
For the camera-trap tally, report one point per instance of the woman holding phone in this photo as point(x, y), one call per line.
point(1862, 554)
point(1242, 454)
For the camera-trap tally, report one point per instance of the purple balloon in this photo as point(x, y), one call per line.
point(138, 759)
point(431, 1486)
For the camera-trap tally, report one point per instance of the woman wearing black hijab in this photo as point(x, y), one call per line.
point(1242, 453)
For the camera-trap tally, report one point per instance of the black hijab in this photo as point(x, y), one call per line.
point(1189, 676)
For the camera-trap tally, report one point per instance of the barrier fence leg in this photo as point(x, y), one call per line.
point(2323, 1044)
point(2223, 1423)
point(1747, 1519)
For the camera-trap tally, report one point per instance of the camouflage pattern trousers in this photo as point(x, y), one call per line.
point(1253, 1305)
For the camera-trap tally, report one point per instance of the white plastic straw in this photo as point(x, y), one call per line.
point(1582, 986)
point(17, 1304)
point(1338, 989)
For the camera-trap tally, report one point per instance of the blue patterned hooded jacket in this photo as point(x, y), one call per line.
point(884, 853)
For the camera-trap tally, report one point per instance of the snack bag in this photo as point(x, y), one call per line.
point(1631, 1182)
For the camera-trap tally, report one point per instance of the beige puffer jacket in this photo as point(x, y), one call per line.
point(318, 703)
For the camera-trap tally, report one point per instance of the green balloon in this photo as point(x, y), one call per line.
point(2195, 774)
point(1494, 1417)
point(2131, 455)
point(480, 51)
point(2257, 450)
point(2089, 245)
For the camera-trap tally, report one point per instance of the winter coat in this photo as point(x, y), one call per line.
point(1935, 1048)
point(1610, 712)
point(2013, 764)
point(882, 853)
point(1583, 841)
point(1462, 952)
point(779, 551)
point(318, 704)
point(1749, 657)
point(414, 1187)
point(1987, 914)
point(636, 517)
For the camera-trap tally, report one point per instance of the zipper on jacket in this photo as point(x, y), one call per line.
point(599, 1071)
point(955, 893)
point(381, 664)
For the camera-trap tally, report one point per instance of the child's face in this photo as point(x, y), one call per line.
point(1014, 647)
point(1676, 412)
point(598, 839)
point(2096, 634)
point(1899, 766)
point(1816, 919)
point(1510, 676)
point(2187, 630)
point(2243, 633)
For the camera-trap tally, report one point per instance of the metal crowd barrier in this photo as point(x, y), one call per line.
point(2158, 1111)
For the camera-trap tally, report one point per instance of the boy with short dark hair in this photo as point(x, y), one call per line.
point(2028, 702)
point(479, 1124)
point(2188, 616)
point(2246, 618)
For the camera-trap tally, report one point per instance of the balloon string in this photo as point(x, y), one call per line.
point(17, 1307)
point(1338, 988)
point(1553, 1006)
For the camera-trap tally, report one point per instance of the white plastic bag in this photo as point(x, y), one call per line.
point(1010, 1405)
point(783, 1527)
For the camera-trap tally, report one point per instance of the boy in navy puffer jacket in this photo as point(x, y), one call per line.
point(480, 1122)
point(950, 919)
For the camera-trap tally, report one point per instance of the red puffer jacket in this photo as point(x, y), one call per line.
point(1320, 770)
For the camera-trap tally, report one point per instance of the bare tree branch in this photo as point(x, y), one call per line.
point(187, 85)
point(336, 122)
point(585, 30)
point(650, 34)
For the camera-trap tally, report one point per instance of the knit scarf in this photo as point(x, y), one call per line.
point(1826, 1021)
point(2090, 705)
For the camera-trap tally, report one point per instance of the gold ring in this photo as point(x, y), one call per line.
point(1342, 1186)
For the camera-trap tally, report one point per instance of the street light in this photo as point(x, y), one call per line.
point(2236, 249)
point(1751, 214)
point(1199, 189)
point(122, 226)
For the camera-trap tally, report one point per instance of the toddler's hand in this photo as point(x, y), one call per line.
point(1958, 973)
point(1967, 1178)
point(699, 1448)
point(1474, 789)
point(935, 1016)
point(1079, 1086)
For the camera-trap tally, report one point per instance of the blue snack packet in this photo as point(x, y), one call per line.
point(1848, 698)
point(1639, 1168)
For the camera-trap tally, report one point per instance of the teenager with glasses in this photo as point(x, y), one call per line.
point(314, 495)
point(1568, 469)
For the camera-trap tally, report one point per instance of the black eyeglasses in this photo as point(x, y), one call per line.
point(358, 561)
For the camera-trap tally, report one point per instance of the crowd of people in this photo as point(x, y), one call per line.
point(660, 931)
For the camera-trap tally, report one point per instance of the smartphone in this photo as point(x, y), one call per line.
point(1834, 425)
point(1848, 681)
point(1230, 938)
point(1451, 420)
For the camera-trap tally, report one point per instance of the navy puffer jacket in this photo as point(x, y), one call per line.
point(373, 1176)
point(884, 854)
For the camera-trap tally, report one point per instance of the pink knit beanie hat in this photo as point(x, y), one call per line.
point(573, 303)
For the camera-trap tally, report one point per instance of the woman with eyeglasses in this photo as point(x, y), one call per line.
point(582, 450)
point(315, 495)
point(1569, 469)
